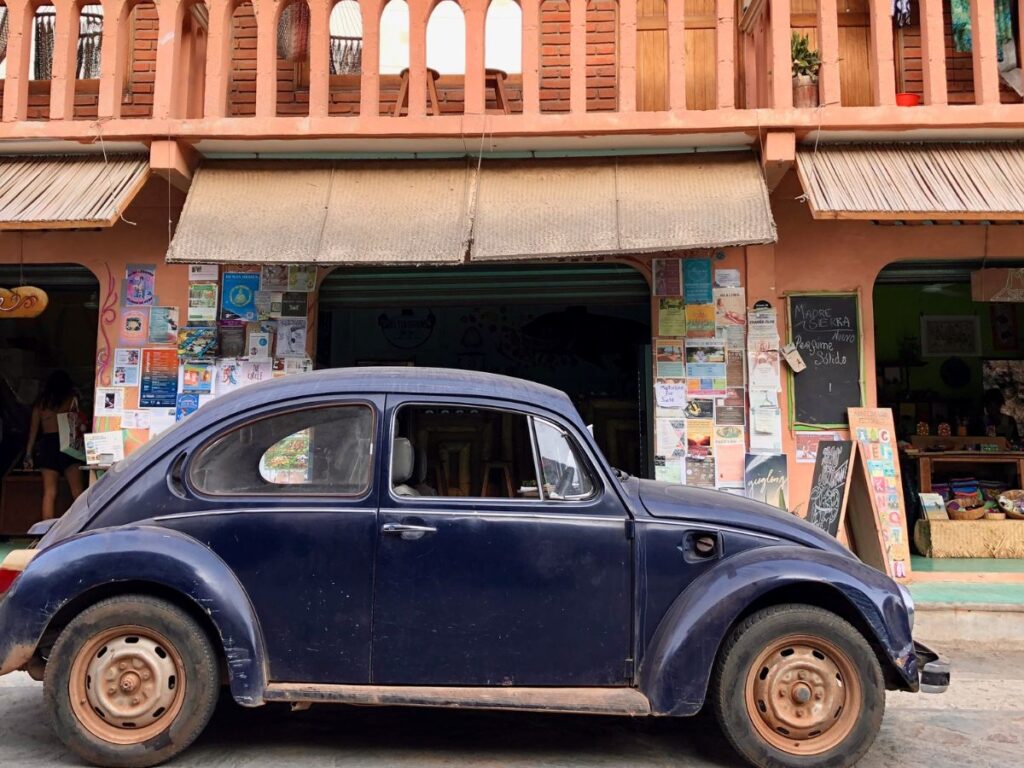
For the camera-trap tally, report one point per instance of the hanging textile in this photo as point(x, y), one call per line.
point(961, 17)
point(43, 65)
point(901, 13)
point(346, 55)
point(293, 32)
point(90, 41)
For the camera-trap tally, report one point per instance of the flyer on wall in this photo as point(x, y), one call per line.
point(163, 325)
point(126, 367)
point(158, 384)
point(140, 285)
point(238, 300)
point(668, 277)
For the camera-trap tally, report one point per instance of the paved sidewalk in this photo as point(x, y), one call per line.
point(978, 724)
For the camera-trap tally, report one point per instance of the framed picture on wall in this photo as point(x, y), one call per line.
point(949, 335)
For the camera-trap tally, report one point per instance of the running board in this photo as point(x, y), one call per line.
point(594, 701)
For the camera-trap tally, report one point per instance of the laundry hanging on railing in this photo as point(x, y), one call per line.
point(346, 55)
point(901, 13)
point(961, 18)
point(90, 41)
point(293, 32)
point(43, 65)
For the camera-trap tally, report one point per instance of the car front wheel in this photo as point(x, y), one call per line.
point(796, 686)
point(131, 682)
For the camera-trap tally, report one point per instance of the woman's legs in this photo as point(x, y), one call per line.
point(75, 481)
point(50, 479)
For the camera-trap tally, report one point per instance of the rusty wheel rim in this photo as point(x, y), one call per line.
point(127, 685)
point(803, 695)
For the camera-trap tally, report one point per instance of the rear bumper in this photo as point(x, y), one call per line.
point(932, 670)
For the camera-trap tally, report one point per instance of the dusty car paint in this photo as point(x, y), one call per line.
point(606, 592)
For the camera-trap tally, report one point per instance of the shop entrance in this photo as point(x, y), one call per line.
point(952, 370)
point(63, 337)
point(583, 328)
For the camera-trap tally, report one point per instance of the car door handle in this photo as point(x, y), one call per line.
point(406, 531)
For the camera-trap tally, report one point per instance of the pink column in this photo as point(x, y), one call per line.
point(828, 45)
point(218, 58)
point(419, 12)
point(531, 56)
point(883, 69)
point(725, 52)
point(369, 78)
point(319, 57)
point(65, 60)
point(113, 57)
point(168, 49)
point(780, 55)
point(577, 55)
point(627, 55)
point(267, 15)
point(933, 52)
point(19, 25)
point(983, 37)
point(476, 21)
point(676, 55)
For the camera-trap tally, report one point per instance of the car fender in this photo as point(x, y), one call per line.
point(142, 554)
point(676, 669)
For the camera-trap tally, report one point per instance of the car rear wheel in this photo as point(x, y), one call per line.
point(131, 682)
point(797, 686)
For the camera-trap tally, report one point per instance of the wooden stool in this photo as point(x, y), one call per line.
point(403, 92)
point(505, 469)
point(495, 78)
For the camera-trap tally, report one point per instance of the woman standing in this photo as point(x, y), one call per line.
point(58, 396)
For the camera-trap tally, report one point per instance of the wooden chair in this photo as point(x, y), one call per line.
point(403, 92)
point(504, 469)
point(495, 79)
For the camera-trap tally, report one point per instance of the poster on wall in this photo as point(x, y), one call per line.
point(807, 444)
point(274, 277)
point(238, 300)
point(134, 329)
point(700, 321)
point(949, 335)
point(671, 317)
point(158, 384)
point(671, 437)
point(197, 378)
point(163, 325)
point(766, 479)
point(291, 337)
point(697, 281)
point(699, 437)
point(140, 285)
point(197, 341)
point(668, 359)
point(301, 277)
point(730, 451)
point(108, 401)
point(202, 303)
point(700, 472)
point(126, 367)
point(668, 277)
point(668, 469)
point(203, 273)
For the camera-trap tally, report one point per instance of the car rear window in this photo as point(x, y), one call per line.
point(321, 450)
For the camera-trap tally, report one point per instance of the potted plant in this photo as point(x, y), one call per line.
point(806, 63)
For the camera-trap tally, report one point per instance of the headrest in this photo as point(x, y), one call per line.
point(402, 460)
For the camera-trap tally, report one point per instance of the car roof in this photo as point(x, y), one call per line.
point(391, 380)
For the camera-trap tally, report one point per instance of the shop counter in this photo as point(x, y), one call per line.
point(970, 538)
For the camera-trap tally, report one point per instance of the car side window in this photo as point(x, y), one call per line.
point(318, 450)
point(566, 477)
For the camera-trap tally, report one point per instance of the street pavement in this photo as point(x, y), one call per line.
point(978, 723)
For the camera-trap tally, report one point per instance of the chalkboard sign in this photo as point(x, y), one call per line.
point(826, 331)
point(830, 484)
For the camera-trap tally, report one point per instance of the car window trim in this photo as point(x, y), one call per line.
point(464, 501)
point(363, 494)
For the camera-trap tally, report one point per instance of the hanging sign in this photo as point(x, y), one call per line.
point(22, 302)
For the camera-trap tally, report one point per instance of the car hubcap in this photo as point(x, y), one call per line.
point(127, 685)
point(803, 695)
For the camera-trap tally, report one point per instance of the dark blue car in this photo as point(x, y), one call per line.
point(440, 538)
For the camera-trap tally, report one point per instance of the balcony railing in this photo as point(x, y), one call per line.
point(195, 69)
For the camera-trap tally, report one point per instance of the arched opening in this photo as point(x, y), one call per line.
point(446, 55)
point(554, 56)
point(394, 52)
point(293, 27)
point(503, 51)
point(138, 42)
point(89, 61)
point(582, 328)
point(602, 55)
point(242, 84)
point(346, 57)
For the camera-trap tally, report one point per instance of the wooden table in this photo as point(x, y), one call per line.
point(927, 462)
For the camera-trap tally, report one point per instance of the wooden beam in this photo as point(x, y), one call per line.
point(175, 161)
point(778, 154)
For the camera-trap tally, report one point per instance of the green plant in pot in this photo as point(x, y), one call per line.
point(806, 62)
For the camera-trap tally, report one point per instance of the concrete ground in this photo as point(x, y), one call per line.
point(978, 723)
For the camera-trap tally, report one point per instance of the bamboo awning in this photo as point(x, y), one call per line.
point(453, 211)
point(947, 181)
point(68, 192)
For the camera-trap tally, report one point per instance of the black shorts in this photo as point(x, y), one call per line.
point(49, 456)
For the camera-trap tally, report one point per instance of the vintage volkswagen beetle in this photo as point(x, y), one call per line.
point(440, 538)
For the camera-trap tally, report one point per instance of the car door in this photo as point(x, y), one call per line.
point(285, 497)
point(526, 585)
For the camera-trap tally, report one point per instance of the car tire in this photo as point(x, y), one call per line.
point(796, 686)
point(159, 675)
